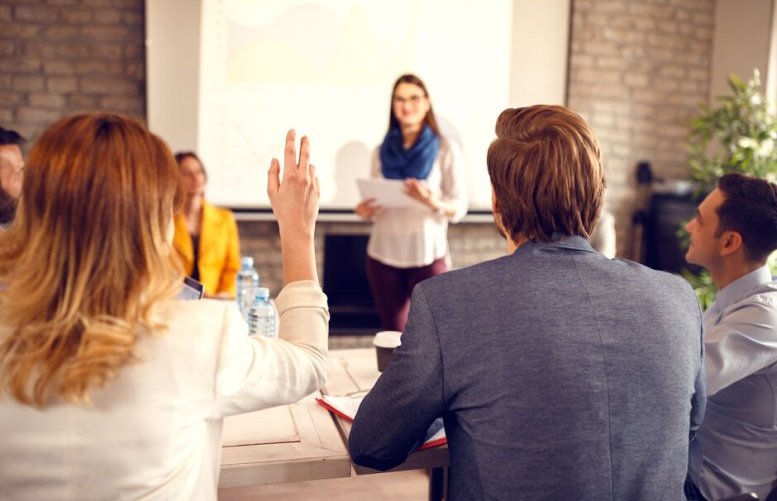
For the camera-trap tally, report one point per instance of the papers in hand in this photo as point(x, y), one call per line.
point(387, 193)
point(346, 408)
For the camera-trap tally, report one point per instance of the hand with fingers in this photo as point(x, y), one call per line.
point(294, 197)
point(421, 192)
point(367, 208)
point(418, 190)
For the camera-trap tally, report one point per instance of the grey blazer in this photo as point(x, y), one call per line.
point(559, 373)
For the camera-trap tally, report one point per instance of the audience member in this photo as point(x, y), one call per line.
point(112, 387)
point(559, 373)
point(11, 174)
point(206, 237)
point(732, 235)
point(410, 244)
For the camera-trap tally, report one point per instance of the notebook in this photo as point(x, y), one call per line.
point(347, 406)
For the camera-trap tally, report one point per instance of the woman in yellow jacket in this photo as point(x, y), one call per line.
point(205, 236)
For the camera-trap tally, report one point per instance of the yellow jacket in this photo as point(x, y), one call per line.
point(219, 249)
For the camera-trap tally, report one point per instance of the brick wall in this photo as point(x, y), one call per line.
point(62, 56)
point(638, 72)
point(470, 243)
point(638, 69)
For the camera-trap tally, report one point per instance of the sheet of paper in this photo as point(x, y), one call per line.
point(387, 192)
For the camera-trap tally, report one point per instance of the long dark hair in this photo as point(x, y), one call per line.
point(429, 119)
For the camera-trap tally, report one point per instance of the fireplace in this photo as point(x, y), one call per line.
point(351, 307)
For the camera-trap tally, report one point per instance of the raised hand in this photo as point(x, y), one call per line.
point(295, 202)
point(295, 199)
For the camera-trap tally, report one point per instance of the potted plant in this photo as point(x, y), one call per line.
point(738, 133)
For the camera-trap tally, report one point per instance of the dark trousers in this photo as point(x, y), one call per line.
point(392, 287)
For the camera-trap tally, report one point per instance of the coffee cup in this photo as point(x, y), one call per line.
point(385, 342)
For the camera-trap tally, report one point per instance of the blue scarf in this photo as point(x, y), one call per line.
point(398, 163)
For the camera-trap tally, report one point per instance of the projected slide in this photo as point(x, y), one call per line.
point(326, 68)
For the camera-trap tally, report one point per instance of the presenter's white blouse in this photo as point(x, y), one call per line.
point(416, 236)
point(154, 432)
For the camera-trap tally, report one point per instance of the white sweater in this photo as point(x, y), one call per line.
point(408, 237)
point(154, 433)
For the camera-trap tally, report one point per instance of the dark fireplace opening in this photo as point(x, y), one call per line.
point(351, 308)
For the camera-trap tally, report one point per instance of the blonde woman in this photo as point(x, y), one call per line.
point(112, 388)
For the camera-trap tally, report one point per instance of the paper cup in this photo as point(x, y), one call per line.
point(385, 342)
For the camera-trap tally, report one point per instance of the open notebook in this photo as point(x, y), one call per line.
point(346, 408)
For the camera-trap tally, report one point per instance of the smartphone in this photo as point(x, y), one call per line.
point(191, 289)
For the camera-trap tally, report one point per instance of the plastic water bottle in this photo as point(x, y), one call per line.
point(261, 316)
point(246, 280)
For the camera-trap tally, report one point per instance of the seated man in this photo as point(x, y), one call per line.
point(559, 373)
point(732, 235)
point(11, 174)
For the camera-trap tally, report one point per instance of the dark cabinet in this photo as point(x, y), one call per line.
point(666, 215)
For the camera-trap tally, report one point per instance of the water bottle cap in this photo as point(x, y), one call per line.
point(246, 262)
point(261, 293)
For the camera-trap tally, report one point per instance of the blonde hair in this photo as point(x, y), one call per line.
point(87, 257)
point(546, 170)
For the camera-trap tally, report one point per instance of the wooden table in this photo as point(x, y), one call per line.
point(353, 372)
point(303, 441)
point(282, 444)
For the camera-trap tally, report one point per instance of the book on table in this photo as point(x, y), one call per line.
point(346, 408)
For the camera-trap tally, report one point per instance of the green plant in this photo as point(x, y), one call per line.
point(703, 287)
point(737, 134)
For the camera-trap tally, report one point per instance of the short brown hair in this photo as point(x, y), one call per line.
point(750, 209)
point(546, 170)
point(8, 136)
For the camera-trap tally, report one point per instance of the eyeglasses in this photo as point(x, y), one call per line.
point(412, 99)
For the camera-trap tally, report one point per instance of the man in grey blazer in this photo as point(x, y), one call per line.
point(559, 373)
